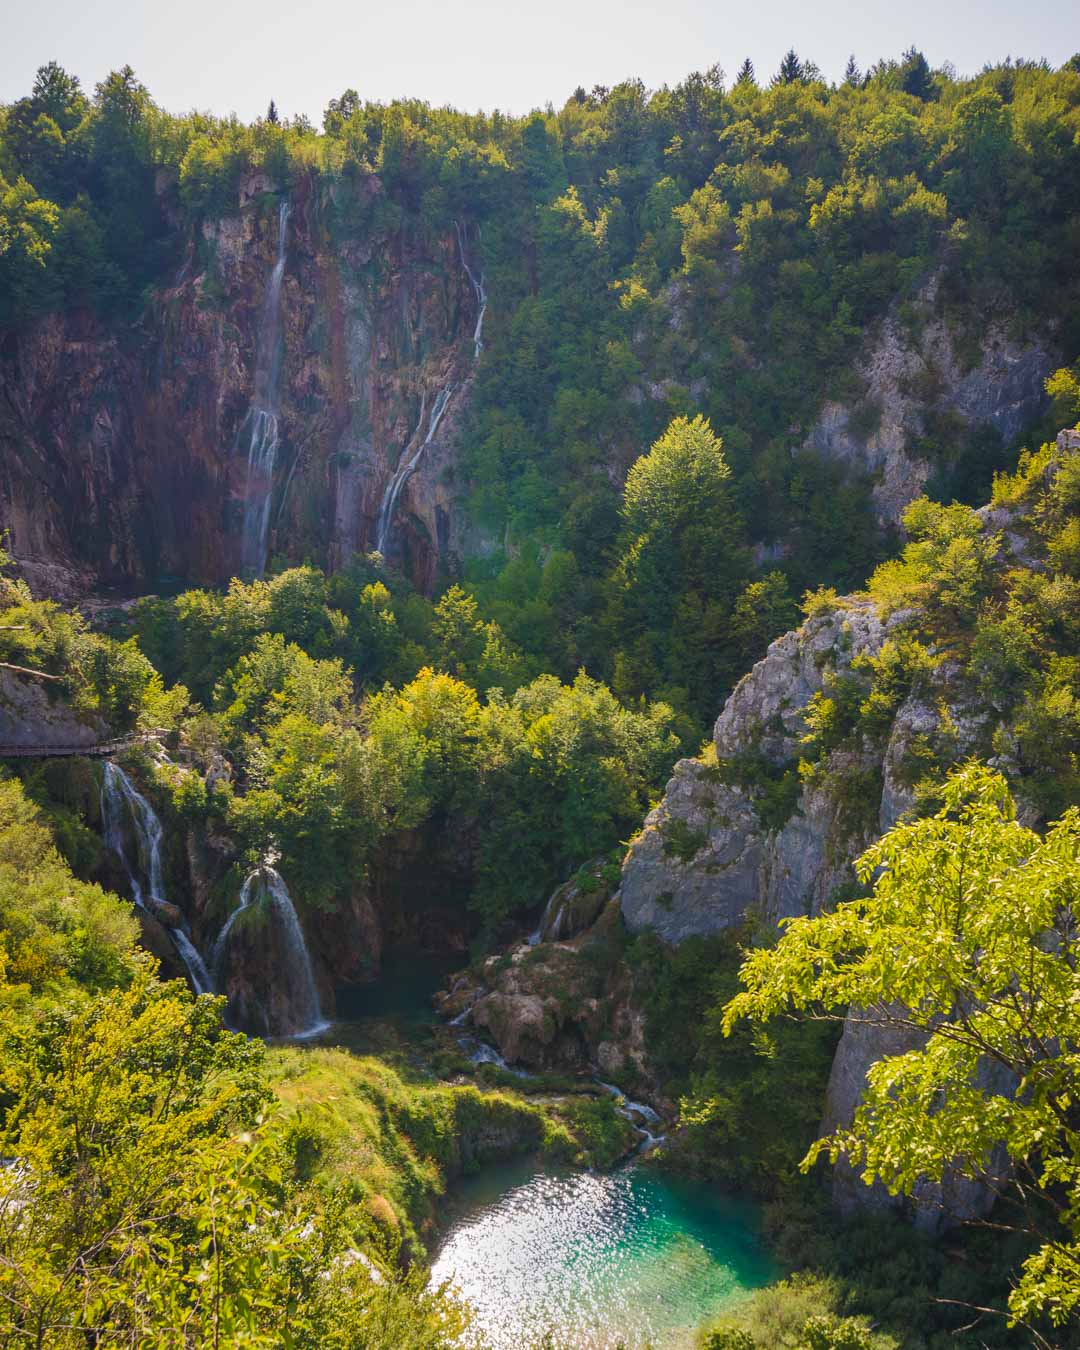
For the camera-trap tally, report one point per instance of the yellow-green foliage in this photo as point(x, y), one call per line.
point(52, 926)
point(393, 1144)
point(801, 1313)
point(945, 566)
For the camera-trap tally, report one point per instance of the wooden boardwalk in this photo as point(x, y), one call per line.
point(99, 750)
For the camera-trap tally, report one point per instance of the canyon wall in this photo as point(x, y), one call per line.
point(124, 448)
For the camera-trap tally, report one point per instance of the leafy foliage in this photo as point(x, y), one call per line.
point(966, 940)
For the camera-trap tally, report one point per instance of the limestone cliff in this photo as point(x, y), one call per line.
point(122, 448)
point(741, 840)
point(914, 373)
point(32, 716)
point(705, 859)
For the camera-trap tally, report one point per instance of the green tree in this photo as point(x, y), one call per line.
point(791, 69)
point(967, 943)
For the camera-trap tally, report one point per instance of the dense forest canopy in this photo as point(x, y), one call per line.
point(678, 280)
point(717, 249)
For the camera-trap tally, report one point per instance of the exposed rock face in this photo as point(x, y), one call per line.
point(934, 1207)
point(120, 453)
point(705, 861)
point(908, 375)
point(555, 1006)
point(703, 857)
point(29, 717)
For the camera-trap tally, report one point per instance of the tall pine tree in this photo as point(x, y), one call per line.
point(791, 69)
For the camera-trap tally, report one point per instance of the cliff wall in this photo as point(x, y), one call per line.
point(124, 450)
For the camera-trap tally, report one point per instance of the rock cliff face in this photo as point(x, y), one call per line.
point(739, 840)
point(122, 454)
point(30, 717)
point(705, 861)
point(914, 374)
point(934, 1207)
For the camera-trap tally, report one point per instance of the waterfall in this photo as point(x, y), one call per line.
point(121, 801)
point(261, 423)
point(265, 886)
point(636, 1113)
point(406, 466)
point(537, 935)
point(478, 291)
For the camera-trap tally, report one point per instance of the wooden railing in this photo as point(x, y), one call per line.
point(99, 750)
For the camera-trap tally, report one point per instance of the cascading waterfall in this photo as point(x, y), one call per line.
point(261, 424)
point(266, 886)
point(639, 1114)
point(408, 463)
point(478, 290)
point(537, 935)
point(406, 466)
point(121, 801)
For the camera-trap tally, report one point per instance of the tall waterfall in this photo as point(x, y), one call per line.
point(261, 424)
point(406, 466)
point(266, 887)
point(479, 291)
point(123, 805)
point(408, 462)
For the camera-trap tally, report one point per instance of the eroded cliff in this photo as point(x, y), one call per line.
point(125, 449)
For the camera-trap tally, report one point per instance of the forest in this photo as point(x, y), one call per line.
point(678, 284)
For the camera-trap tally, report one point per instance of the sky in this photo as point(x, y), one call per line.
point(235, 55)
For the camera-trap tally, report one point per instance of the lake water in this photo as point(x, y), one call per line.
point(629, 1258)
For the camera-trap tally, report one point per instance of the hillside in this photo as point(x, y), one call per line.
point(617, 567)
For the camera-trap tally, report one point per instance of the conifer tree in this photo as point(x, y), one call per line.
point(746, 73)
point(791, 69)
point(272, 114)
point(916, 76)
point(852, 76)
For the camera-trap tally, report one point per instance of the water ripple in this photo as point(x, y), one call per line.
point(597, 1261)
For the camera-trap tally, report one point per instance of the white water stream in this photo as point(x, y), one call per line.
point(123, 806)
point(261, 424)
point(410, 459)
point(265, 886)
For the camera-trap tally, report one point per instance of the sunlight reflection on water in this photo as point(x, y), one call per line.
point(630, 1257)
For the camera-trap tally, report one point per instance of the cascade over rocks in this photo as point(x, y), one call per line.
point(130, 455)
point(575, 905)
point(260, 961)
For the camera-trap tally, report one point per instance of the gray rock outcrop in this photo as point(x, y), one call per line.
point(934, 1206)
point(704, 858)
point(909, 374)
point(30, 718)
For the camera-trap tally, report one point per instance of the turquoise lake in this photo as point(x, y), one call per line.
point(631, 1257)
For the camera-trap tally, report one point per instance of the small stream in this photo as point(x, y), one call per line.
point(629, 1258)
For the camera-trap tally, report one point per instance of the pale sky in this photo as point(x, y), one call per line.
point(225, 56)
